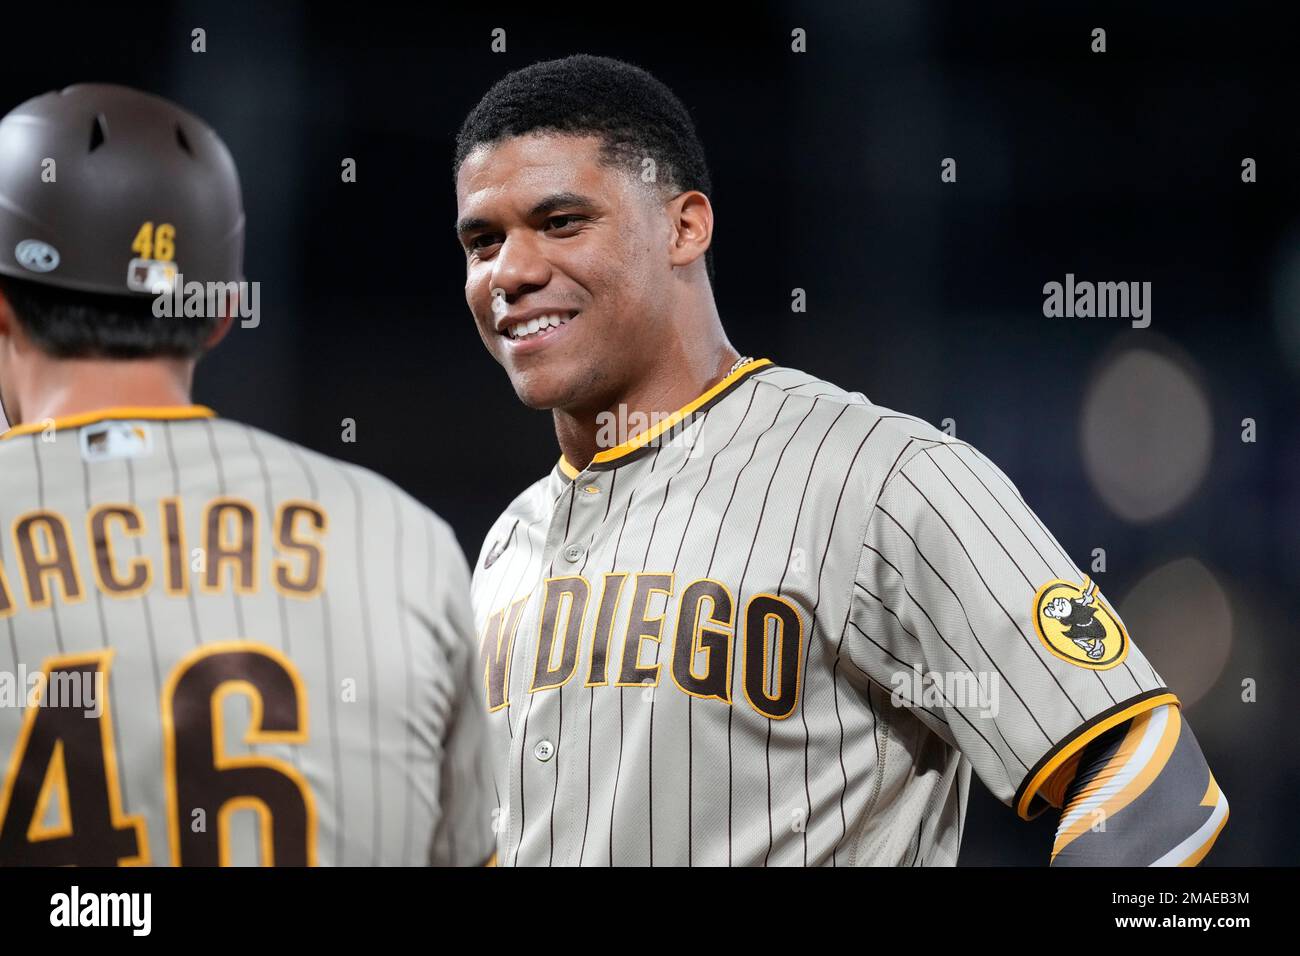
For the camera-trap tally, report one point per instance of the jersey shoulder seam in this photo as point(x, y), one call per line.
point(926, 445)
point(841, 395)
point(884, 486)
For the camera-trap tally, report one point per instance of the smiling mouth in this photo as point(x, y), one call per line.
point(539, 327)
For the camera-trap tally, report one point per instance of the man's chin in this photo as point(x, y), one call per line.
point(537, 403)
point(569, 379)
point(539, 392)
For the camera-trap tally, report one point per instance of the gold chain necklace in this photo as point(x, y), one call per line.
point(743, 360)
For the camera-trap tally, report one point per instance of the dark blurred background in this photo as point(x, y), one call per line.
point(926, 296)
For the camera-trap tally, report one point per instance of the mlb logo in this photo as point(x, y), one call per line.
point(151, 275)
point(110, 440)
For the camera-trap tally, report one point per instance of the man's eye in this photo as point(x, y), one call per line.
point(555, 222)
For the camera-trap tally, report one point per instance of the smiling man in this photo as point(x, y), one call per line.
point(772, 622)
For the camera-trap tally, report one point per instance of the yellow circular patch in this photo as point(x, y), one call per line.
point(1078, 627)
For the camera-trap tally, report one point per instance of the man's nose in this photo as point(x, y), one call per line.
point(520, 265)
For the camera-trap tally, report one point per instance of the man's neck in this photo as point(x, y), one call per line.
point(581, 435)
point(76, 386)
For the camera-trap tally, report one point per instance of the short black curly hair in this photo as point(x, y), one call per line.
point(70, 324)
point(634, 113)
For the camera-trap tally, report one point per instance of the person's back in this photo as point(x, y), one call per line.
point(280, 639)
point(216, 647)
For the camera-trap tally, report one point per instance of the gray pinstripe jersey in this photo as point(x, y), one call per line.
point(783, 630)
point(288, 647)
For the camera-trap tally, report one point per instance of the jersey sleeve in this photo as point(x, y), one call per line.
point(464, 834)
point(971, 614)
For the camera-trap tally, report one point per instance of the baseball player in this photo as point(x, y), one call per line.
point(217, 647)
point(751, 618)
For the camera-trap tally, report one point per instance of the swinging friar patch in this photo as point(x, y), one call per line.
point(1074, 624)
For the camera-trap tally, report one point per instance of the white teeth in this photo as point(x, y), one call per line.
point(533, 326)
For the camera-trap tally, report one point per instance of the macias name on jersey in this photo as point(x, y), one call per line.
point(709, 634)
point(1085, 300)
point(125, 552)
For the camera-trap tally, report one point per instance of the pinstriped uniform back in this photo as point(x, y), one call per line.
point(284, 640)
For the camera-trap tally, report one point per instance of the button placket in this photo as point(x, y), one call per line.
point(564, 553)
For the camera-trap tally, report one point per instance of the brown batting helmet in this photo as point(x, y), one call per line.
point(107, 189)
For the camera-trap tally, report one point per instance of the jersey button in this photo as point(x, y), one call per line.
point(573, 554)
point(544, 750)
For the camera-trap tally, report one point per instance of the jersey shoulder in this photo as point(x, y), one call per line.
point(896, 436)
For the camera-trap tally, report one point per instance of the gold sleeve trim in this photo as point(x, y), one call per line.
point(1055, 758)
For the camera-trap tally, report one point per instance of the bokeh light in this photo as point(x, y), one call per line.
point(1180, 617)
point(1146, 434)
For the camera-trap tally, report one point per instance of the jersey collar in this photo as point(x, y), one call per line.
point(640, 445)
point(131, 413)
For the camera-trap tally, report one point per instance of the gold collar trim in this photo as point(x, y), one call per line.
point(607, 458)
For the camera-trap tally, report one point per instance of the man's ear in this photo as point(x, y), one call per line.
point(691, 215)
point(7, 320)
point(223, 328)
point(229, 309)
point(8, 328)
